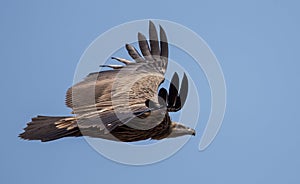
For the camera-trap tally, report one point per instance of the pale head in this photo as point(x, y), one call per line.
point(178, 129)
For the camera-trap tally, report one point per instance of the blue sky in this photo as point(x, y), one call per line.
point(256, 43)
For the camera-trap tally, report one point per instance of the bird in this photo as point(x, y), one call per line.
point(125, 103)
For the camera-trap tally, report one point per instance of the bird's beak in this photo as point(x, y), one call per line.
point(194, 132)
point(180, 130)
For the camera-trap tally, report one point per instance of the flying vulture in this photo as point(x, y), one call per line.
point(123, 104)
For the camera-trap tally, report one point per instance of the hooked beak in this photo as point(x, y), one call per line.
point(193, 132)
point(180, 130)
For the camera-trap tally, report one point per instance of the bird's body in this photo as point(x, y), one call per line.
point(122, 104)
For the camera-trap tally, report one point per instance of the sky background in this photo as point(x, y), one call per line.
point(256, 43)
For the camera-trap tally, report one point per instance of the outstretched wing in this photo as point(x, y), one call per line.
point(118, 96)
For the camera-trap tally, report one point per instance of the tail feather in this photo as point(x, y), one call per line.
point(47, 128)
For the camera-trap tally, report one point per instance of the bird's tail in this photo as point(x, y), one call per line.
point(47, 128)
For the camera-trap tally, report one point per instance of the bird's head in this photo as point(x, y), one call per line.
point(178, 129)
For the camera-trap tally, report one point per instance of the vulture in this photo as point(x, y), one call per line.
point(125, 103)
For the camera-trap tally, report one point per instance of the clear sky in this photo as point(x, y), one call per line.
point(256, 43)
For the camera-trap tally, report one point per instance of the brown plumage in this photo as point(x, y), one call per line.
point(122, 104)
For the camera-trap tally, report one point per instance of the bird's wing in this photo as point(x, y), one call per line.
point(173, 99)
point(119, 96)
